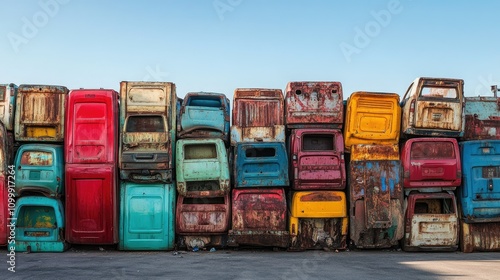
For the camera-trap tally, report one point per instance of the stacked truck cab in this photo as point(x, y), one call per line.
point(433, 107)
point(148, 131)
point(314, 117)
point(4, 193)
point(204, 115)
point(39, 133)
point(480, 192)
point(260, 165)
point(148, 114)
point(371, 135)
point(91, 157)
point(432, 121)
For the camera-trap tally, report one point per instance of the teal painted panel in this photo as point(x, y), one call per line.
point(147, 216)
point(39, 225)
point(40, 168)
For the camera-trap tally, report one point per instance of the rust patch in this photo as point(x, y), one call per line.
point(321, 196)
point(319, 234)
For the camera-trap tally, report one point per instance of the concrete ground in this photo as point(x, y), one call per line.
point(92, 263)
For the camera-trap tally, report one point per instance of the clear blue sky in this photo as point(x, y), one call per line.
point(219, 45)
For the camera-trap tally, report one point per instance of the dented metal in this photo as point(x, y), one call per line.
point(204, 115)
point(40, 113)
point(431, 222)
point(314, 104)
point(433, 107)
point(318, 220)
point(483, 237)
point(260, 165)
point(258, 116)
point(259, 218)
point(202, 168)
point(482, 118)
point(203, 221)
point(39, 225)
point(376, 203)
point(8, 93)
point(431, 164)
point(40, 169)
point(148, 131)
point(317, 159)
point(372, 118)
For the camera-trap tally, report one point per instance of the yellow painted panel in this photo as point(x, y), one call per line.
point(319, 204)
point(40, 132)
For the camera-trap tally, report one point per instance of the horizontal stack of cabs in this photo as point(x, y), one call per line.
point(302, 169)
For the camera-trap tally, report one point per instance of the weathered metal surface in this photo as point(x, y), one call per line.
point(318, 219)
point(480, 190)
point(314, 104)
point(201, 241)
point(260, 165)
point(376, 203)
point(433, 107)
point(259, 218)
point(258, 116)
point(431, 163)
point(317, 159)
point(8, 93)
point(202, 168)
point(147, 213)
point(482, 118)
point(205, 115)
point(202, 216)
point(431, 222)
point(91, 203)
point(372, 118)
point(479, 236)
point(92, 127)
point(40, 113)
point(148, 130)
point(40, 168)
point(39, 225)
point(368, 152)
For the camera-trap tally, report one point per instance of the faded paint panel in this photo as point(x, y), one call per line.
point(314, 104)
point(40, 168)
point(365, 152)
point(431, 222)
point(204, 115)
point(259, 218)
point(92, 127)
point(258, 116)
point(372, 118)
point(40, 225)
point(376, 203)
point(480, 191)
point(260, 165)
point(480, 237)
point(202, 216)
point(317, 159)
point(434, 107)
point(202, 167)
point(482, 118)
point(8, 93)
point(40, 113)
point(431, 163)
